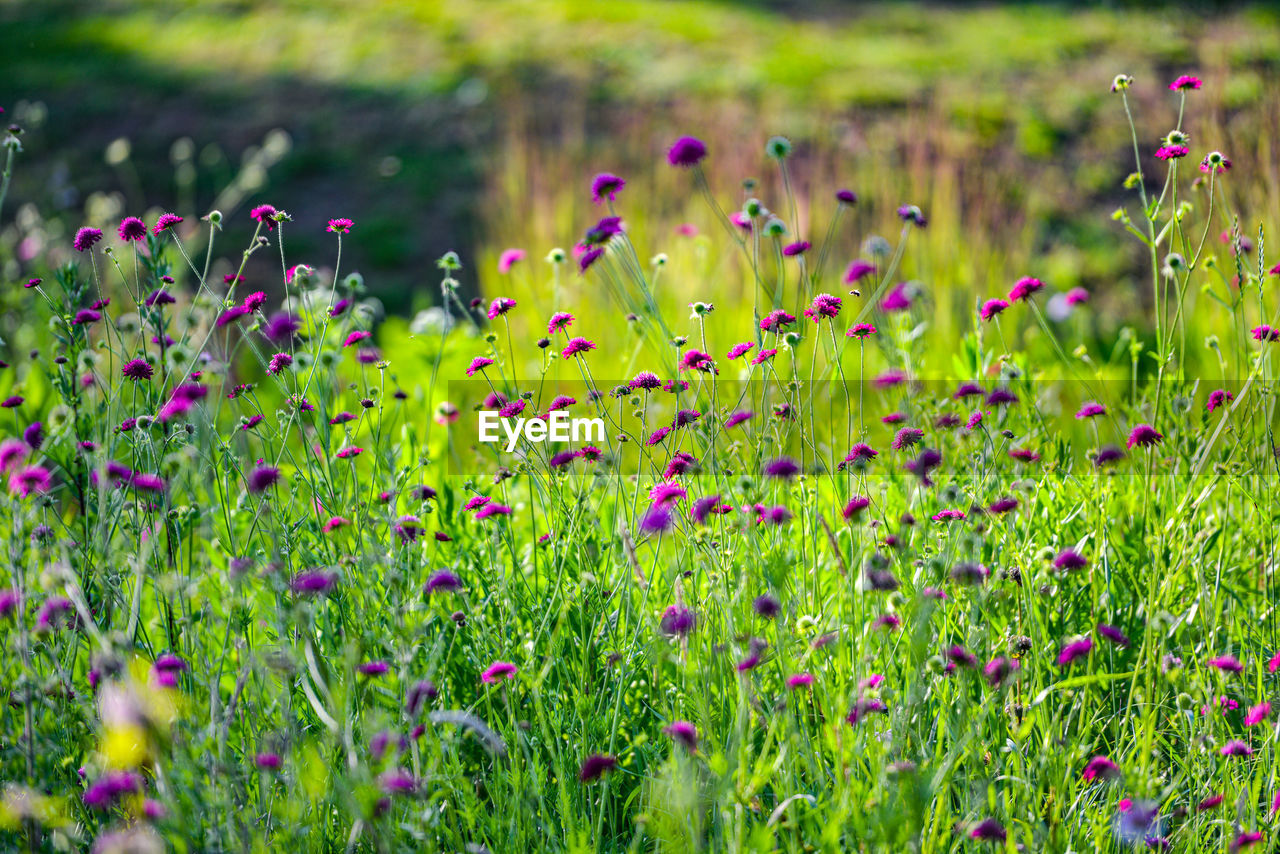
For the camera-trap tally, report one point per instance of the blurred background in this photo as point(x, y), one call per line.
point(476, 126)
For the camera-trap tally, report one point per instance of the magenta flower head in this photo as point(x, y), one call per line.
point(1000, 670)
point(165, 222)
point(855, 506)
point(1215, 162)
point(606, 185)
point(1257, 714)
point(341, 225)
point(264, 215)
point(577, 346)
point(279, 362)
point(137, 369)
point(1144, 435)
point(499, 671)
point(1091, 410)
point(860, 330)
point(1101, 768)
point(684, 734)
point(508, 259)
point(29, 481)
point(1172, 152)
point(1265, 333)
point(824, 305)
point(314, 582)
point(798, 248)
point(1246, 839)
point(1236, 747)
point(132, 229)
point(1077, 296)
point(373, 668)
point(86, 238)
point(595, 766)
point(906, 438)
point(263, 478)
point(1185, 82)
point(1218, 398)
point(1227, 664)
point(677, 621)
point(783, 468)
point(799, 680)
point(857, 271)
point(1113, 634)
point(988, 830)
point(1074, 651)
point(479, 363)
point(913, 215)
point(846, 197)
point(500, 306)
point(1024, 288)
point(686, 152)
point(992, 307)
point(1068, 560)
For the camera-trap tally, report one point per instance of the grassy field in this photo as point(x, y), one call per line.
point(974, 550)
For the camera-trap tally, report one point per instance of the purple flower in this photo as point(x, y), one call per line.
point(30, 480)
point(576, 346)
point(314, 583)
point(1074, 651)
point(262, 478)
point(1024, 288)
point(166, 221)
point(341, 225)
point(1219, 397)
point(1257, 714)
point(798, 248)
point(1113, 634)
point(279, 362)
point(1069, 559)
point(1172, 152)
point(373, 668)
point(131, 229)
point(606, 185)
point(783, 468)
point(687, 151)
point(479, 363)
point(855, 506)
point(906, 438)
point(500, 306)
point(1227, 664)
point(684, 734)
point(1184, 82)
point(443, 580)
point(137, 369)
point(1000, 670)
point(913, 215)
point(34, 435)
point(1144, 435)
point(1091, 410)
point(595, 766)
point(988, 830)
point(499, 671)
point(1101, 768)
point(677, 621)
point(85, 239)
point(992, 307)
point(864, 706)
point(824, 305)
point(508, 259)
point(265, 215)
point(1236, 747)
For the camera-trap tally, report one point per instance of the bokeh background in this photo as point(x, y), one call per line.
point(476, 126)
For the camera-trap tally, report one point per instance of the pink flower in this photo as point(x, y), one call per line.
point(498, 671)
point(342, 225)
point(1257, 714)
point(508, 259)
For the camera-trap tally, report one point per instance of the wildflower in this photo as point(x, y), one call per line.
point(1246, 839)
point(864, 706)
point(265, 215)
point(356, 337)
point(1143, 436)
point(479, 363)
point(677, 621)
point(575, 346)
point(498, 671)
point(800, 247)
point(999, 670)
point(508, 259)
point(1218, 398)
point(1121, 83)
point(1113, 634)
point(684, 734)
point(263, 478)
point(1091, 410)
point(737, 418)
point(967, 390)
point(907, 437)
point(988, 830)
point(913, 215)
point(1074, 650)
point(166, 221)
point(279, 362)
point(898, 299)
point(1265, 333)
point(314, 583)
point(30, 480)
point(606, 185)
point(131, 229)
point(766, 606)
point(1226, 663)
point(858, 270)
point(855, 506)
point(763, 356)
point(1215, 162)
point(341, 225)
point(1024, 288)
point(595, 766)
point(85, 239)
point(1068, 560)
point(784, 468)
point(1209, 803)
point(687, 151)
point(1107, 455)
point(1101, 768)
point(992, 307)
point(799, 680)
point(493, 509)
point(776, 321)
point(928, 460)
point(969, 573)
point(824, 305)
point(697, 360)
point(860, 331)
point(960, 657)
point(1172, 152)
point(846, 197)
point(1236, 747)
point(1184, 82)
point(281, 327)
point(86, 317)
point(1257, 714)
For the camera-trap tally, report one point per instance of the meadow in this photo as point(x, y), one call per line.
point(932, 508)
